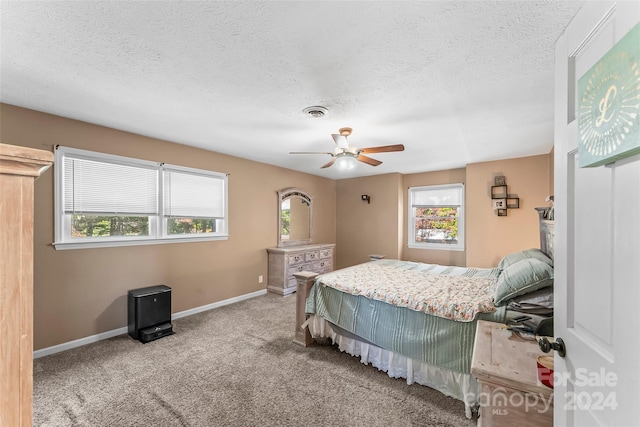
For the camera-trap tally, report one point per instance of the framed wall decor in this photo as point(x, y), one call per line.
point(499, 203)
point(501, 200)
point(608, 105)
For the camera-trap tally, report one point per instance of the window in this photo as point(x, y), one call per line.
point(106, 200)
point(436, 217)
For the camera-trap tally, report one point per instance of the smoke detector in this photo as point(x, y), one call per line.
point(315, 112)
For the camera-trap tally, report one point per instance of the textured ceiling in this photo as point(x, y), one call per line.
point(455, 82)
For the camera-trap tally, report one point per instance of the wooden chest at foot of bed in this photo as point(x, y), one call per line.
point(506, 369)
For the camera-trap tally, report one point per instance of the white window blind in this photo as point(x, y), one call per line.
point(109, 188)
point(106, 200)
point(193, 195)
point(446, 196)
point(436, 217)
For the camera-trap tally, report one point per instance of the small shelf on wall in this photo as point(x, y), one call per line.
point(498, 191)
point(500, 198)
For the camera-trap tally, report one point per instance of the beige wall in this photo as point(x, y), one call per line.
point(82, 292)
point(363, 229)
point(490, 237)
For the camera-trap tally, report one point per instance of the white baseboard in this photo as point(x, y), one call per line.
point(115, 332)
point(218, 304)
point(79, 342)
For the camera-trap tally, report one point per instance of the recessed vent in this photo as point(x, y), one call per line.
point(315, 112)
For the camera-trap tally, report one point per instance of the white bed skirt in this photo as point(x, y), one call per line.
point(460, 386)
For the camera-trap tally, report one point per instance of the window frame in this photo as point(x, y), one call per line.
point(460, 245)
point(157, 223)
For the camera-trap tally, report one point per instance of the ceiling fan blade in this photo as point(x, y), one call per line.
point(368, 160)
point(382, 149)
point(332, 161)
point(341, 141)
point(310, 152)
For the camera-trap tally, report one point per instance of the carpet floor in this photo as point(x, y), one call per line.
point(231, 366)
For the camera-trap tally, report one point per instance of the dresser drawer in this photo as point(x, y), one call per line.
point(311, 255)
point(299, 267)
point(323, 266)
point(295, 258)
point(326, 253)
point(292, 282)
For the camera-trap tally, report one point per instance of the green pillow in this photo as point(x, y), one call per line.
point(526, 254)
point(522, 277)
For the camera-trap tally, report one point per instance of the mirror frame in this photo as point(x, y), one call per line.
point(290, 193)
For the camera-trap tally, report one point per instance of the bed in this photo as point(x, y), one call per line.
point(418, 321)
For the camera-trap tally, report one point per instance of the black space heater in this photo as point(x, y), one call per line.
point(149, 311)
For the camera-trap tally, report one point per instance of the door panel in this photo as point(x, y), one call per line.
point(590, 286)
point(597, 254)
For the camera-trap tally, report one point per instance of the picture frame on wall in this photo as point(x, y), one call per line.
point(499, 203)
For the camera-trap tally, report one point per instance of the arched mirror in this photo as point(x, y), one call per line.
point(294, 217)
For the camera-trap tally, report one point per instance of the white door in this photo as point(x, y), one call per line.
point(597, 246)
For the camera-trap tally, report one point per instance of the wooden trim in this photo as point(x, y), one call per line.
point(23, 161)
point(19, 166)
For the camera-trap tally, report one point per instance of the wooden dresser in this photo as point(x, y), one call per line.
point(510, 392)
point(285, 261)
point(19, 167)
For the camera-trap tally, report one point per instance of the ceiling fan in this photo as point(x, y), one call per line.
point(346, 156)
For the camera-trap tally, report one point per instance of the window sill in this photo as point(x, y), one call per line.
point(455, 248)
point(116, 243)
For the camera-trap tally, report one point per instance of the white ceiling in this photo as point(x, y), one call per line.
point(455, 82)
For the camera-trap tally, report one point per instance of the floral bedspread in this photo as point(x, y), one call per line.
point(458, 297)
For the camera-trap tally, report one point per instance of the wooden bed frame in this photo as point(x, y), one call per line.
point(305, 280)
point(546, 230)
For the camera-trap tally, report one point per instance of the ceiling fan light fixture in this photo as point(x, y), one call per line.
point(346, 161)
point(345, 156)
point(345, 131)
point(315, 112)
